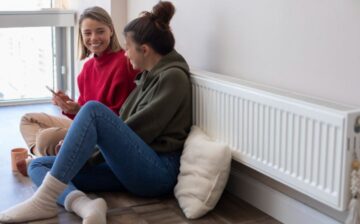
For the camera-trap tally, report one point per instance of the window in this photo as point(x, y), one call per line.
point(27, 59)
point(17, 5)
point(37, 50)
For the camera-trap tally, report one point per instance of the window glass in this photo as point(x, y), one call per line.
point(19, 5)
point(27, 62)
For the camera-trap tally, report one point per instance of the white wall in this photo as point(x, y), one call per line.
point(309, 46)
point(119, 17)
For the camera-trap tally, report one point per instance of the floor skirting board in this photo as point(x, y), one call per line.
point(250, 186)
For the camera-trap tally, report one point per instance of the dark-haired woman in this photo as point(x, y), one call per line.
point(141, 148)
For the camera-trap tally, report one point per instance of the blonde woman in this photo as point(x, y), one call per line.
point(106, 77)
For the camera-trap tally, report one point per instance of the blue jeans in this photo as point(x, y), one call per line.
point(130, 163)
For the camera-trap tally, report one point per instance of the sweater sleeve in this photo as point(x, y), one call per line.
point(150, 120)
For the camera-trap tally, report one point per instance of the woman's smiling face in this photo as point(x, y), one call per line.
point(96, 36)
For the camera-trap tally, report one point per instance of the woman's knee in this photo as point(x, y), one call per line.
point(92, 105)
point(29, 118)
point(30, 122)
point(26, 119)
point(47, 139)
point(92, 108)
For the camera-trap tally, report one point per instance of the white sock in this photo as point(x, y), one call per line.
point(91, 211)
point(41, 205)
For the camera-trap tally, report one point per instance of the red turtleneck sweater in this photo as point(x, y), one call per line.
point(108, 79)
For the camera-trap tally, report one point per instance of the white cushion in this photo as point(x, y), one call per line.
point(204, 171)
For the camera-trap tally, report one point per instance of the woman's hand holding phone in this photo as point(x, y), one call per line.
point(63, 101)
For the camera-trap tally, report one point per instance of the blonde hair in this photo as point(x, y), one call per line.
point(100, 15)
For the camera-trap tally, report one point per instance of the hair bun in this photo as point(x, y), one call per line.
point(163, 11)
point(152, 28)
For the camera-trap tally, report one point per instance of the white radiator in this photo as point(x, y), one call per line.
point(304, 143)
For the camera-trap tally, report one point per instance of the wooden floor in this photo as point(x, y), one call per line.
point(123, 207)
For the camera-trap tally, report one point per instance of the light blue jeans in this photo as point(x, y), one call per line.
point(130, 164)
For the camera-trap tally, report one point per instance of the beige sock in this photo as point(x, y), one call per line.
point(91, 211)
point(41, 205)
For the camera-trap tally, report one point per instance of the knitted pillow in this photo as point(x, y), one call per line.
point(204, 171)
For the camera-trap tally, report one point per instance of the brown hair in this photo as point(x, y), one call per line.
point(153, 28)
point(100, 15)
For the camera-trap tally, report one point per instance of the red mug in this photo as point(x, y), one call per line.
point(18, 154)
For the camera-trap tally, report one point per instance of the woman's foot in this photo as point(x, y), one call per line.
point(41, 205)
point(92, 211)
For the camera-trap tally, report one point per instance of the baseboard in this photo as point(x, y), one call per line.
point(275, 203)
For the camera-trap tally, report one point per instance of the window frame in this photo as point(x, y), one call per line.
point(64, 22)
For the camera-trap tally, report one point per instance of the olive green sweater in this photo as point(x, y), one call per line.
point(159, 109)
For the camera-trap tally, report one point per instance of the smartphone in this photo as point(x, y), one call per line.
point(51, 90)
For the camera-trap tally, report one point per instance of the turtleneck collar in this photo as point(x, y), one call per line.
point(104, 58)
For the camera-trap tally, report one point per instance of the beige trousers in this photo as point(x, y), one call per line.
point(42, 132)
